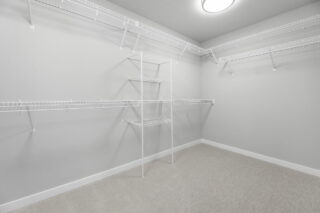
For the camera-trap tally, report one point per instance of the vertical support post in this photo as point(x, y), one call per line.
point(30, 14)
point(126, 25)
point(142, 113)
point(159, 85)
point(140, 31)
point(171, 110)
point(274, 68)
point(136, 43)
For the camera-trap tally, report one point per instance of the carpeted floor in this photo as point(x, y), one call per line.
point(203, 180)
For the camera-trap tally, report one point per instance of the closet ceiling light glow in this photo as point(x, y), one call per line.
point(215, 6)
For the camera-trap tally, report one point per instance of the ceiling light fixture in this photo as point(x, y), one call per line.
point(215, 6)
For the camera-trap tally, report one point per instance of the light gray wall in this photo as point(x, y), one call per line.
point(271, 113)
point(63, 59)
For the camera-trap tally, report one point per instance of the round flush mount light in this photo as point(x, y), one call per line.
point(215, 6)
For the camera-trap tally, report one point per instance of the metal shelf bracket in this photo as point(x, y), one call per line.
point(30, 14)
point(225, 65)
point(213, 55)
point(33, 129)
point(274, 67)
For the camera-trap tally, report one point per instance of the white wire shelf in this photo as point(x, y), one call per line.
point(38, 106)
point(273, 49)
point(150, 122)
point(301, 24)
point(156, 101)
point(101, 15)
point(152, 81)
point(182, 101)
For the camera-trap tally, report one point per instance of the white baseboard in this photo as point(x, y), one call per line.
point(294, 166)
point(28, 200)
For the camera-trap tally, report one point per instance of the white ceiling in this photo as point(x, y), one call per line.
point(187, 18)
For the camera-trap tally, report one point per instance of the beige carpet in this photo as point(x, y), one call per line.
point(203, 180)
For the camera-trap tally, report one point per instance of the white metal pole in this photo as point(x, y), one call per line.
point(142, 113)
point(171, 110)
point(136, 43)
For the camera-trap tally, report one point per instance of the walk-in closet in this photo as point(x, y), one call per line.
point(148, 106)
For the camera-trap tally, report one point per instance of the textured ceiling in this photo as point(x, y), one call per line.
point(187, 18)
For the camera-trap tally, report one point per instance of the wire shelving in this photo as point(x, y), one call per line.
point(42, 106)
point(91, 11)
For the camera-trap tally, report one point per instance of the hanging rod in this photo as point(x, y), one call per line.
point(156, 101)
point(195, 101)
point(182, 101)
point(273, 49)
point(145, 80)
point(149, 122)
